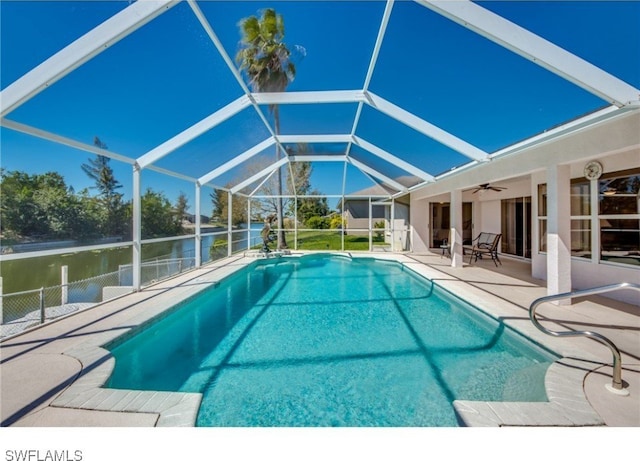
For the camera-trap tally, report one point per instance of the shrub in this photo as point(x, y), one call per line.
point(317, 222)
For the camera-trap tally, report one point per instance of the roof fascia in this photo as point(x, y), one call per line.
point(246, 155)
point(193, 131)
point(80, 51)
point(426, 128)
point(536, 49)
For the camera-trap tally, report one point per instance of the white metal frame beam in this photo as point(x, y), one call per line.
point(259, 175)
point(194, 131)
point(314, 138)
point(426, 128)
point(536, 49)
point(246, 155)
point(80, 51)
point(372, 64)
point(309, 97)
point(55, 138)
point(318, 158)
point(370, 171)
point(377, 151)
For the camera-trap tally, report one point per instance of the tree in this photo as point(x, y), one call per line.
point(42, 206)
point(158, 216)
point(101, 172)
point(309, 207)
point(299, 174)
point(265, 59)
point(220, 200)
point(182, 205)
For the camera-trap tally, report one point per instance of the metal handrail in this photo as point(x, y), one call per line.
point(616, 385)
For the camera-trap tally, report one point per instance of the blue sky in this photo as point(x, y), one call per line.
point(168, 75)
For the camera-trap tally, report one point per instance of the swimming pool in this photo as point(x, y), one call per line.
point(327, 340)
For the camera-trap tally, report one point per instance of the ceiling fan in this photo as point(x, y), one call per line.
point(484, 187)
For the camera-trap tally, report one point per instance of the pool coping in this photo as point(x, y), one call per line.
point(564, 381)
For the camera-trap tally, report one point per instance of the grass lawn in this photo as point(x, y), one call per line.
point(316, 240)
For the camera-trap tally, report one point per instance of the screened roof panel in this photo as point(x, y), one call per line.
point(337, 37)
point(21, 152)
point(358, 182)
point(267, 183)
point(245, 170)
point(218, 145)
point(323, 174)
point(407, 143)
point(315, 118)
point(477, 90)
point(140, 91)
point(605, 33)
point(41, 35)
point(143, 94)
point(385, 169)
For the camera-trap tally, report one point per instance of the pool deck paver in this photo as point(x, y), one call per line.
point(53, 375)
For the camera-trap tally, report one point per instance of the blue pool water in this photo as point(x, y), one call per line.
point(329, 341)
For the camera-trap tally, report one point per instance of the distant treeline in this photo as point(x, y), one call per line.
point(42, 207)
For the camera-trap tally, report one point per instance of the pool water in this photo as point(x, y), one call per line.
point(330, 341)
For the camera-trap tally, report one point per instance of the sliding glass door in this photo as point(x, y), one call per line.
point(441, 224)
point(516, 226)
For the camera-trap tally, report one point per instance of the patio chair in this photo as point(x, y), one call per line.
point(446, 246)
point(486, 244)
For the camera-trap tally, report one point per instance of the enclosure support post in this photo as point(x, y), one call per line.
point(248, 223)
point(295, 222)
point(392, 225)
point(64, 281)
point(137, 229)
point(1, 297)
point(229, 221)
point(42, 314)
point(198, 239)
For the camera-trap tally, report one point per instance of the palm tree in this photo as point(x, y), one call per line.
point(266, 60)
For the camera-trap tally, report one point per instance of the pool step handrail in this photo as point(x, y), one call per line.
point(616, 385)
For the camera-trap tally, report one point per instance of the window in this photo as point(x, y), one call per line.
point(619, 216)
point(580, 217)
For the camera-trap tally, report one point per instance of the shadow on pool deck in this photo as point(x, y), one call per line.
point(35, 368)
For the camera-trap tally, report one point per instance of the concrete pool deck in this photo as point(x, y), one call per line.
point(51, 376)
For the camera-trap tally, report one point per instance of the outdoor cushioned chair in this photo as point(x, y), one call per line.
point(485, 244)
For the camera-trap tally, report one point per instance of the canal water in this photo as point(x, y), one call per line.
point(44, 271)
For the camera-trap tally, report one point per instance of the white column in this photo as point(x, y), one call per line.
point(370, 225)
point(198, 239)
point(137, 229)
point(64, 281)
point(455, 219)
point(559, 230)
